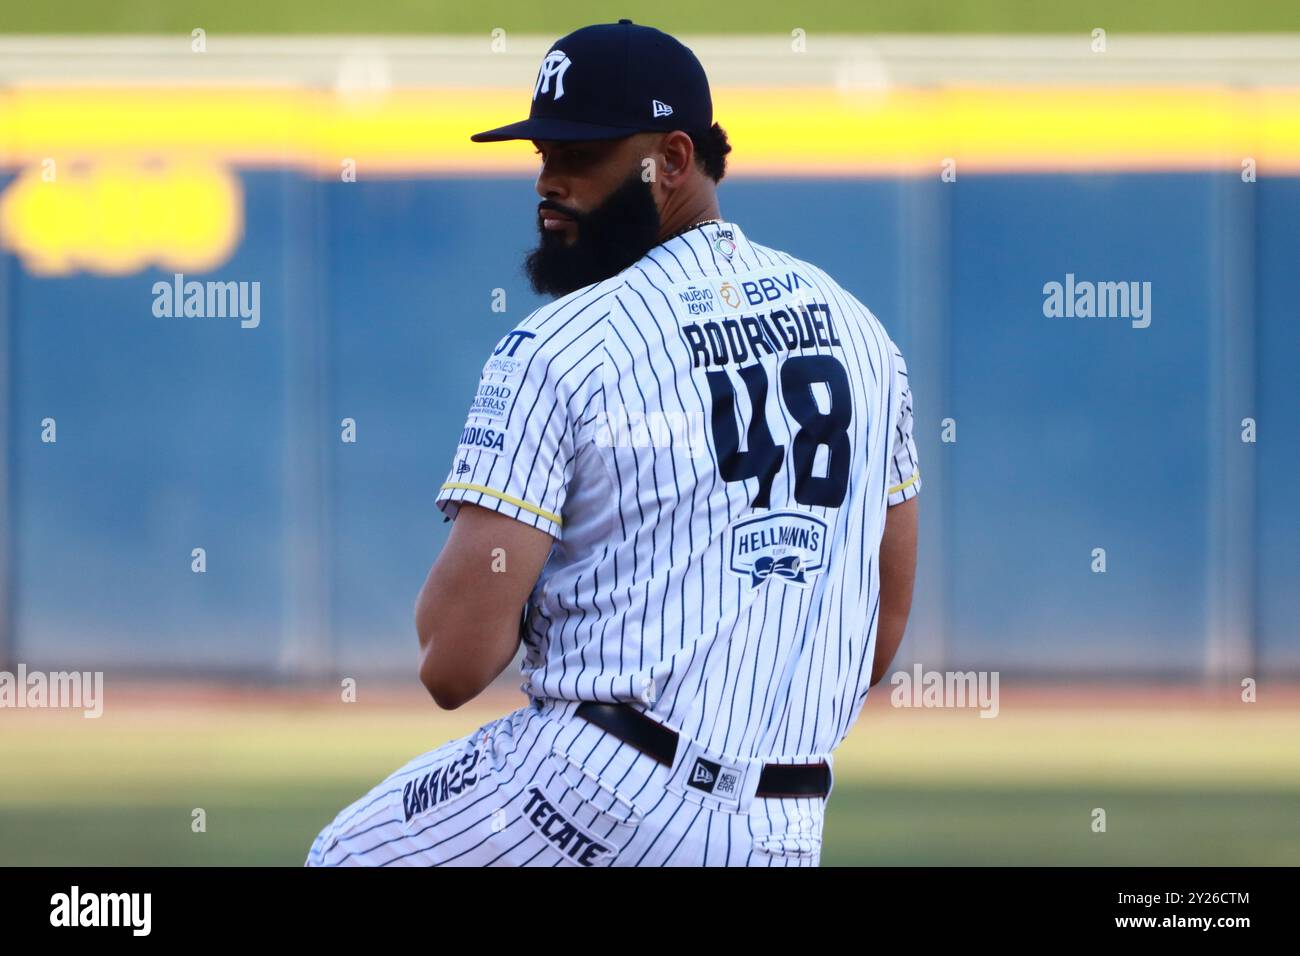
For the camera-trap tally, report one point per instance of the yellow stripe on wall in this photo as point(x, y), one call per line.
point(773, 131)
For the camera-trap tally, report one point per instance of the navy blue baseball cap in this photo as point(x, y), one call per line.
point(612, 80)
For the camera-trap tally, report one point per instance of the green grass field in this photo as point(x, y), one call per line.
point(685, 16)
point(1181, 783)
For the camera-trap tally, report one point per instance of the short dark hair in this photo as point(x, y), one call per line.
point(711, 149)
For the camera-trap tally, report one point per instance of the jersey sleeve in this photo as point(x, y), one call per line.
point(517, 449)
point(904, 478)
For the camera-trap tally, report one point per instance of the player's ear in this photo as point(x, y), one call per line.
point(661, 151)
point(683, 150)
point(666, 150)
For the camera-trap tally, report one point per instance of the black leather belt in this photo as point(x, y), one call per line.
point(660, 743)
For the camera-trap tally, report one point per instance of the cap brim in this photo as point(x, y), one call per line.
point(555, 129)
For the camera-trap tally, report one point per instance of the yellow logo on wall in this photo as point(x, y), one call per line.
point(119, 217)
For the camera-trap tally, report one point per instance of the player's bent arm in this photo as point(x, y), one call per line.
point(897, 574)
point(468, 612)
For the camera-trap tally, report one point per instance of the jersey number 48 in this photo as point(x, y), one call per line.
point(763, 457)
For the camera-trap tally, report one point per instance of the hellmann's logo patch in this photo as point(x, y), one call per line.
point(789, 546)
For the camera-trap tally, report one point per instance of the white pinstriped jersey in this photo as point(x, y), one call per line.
point(712, 436)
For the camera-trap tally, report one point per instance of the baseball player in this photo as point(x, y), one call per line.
point(687, 486)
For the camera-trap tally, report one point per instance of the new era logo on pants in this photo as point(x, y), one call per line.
point(711, 777)
point(704, 774)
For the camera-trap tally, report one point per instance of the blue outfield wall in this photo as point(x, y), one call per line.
point(376, 305)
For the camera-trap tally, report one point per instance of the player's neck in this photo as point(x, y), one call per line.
point(697, 205)
point(680, 224)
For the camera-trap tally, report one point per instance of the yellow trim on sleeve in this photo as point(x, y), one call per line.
point(905, 485)
point(509, 499)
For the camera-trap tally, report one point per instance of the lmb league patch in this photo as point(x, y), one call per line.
point(787, 545)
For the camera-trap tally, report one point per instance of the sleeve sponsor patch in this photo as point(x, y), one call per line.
point(487, 439)
point(492, 400)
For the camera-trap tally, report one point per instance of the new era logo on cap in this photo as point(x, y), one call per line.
point(662, 109)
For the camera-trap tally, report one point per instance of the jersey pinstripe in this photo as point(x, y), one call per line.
point(713, 437)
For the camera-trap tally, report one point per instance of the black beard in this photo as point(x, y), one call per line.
point(610, 238)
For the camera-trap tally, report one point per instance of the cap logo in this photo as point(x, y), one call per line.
point(661, 108)
point(556, 62)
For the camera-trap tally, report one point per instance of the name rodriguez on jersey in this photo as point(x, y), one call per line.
point(765, 313)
